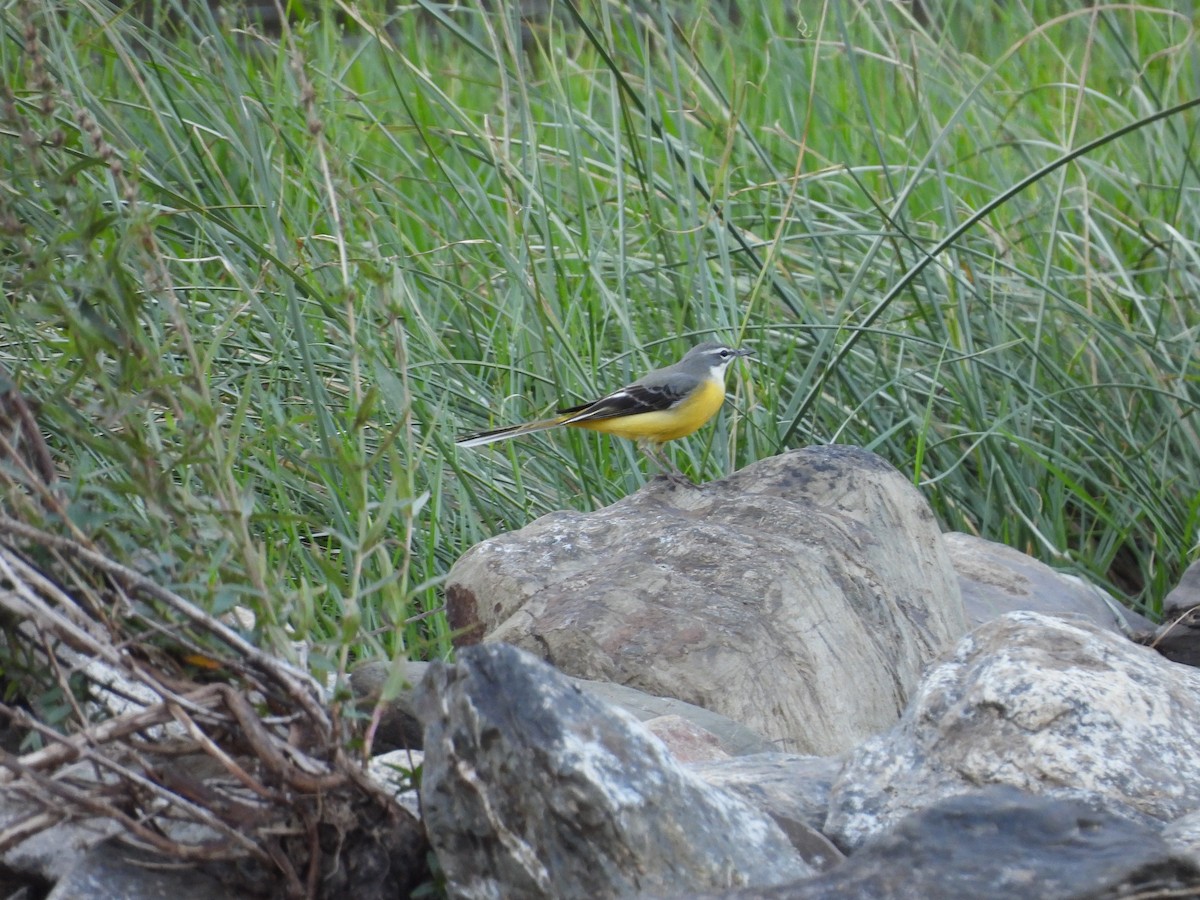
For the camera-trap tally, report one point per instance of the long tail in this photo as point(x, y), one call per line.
point(479, 438)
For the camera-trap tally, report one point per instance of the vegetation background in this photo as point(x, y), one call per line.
point(258, 276)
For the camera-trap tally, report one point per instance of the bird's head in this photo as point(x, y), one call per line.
point(714, 356)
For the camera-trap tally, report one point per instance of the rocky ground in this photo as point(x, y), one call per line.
point(785, 684)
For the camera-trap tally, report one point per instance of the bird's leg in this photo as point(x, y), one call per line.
point(670, 471)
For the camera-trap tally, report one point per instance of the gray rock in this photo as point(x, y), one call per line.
point(801, 596)
point(1001, 844)
point(732, 737)
point(51, 853)
point(686, 741)
point(1040, 703)
point(793, 790)
point(783, 784)
point(1183, 837)
point(400, 730)
point(531, 788)
point(996, 579)
point(112, 871)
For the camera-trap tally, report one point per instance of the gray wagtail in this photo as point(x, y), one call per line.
point(664, 405)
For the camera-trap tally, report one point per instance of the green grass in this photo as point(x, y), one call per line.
point(256, 282)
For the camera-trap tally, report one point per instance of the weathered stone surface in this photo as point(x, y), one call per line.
point(1000, 844)
point(801, 596)
point(112, 871)
point(49, 854)
point(686, 741)
point(531, 788)
point(1183, 837)
point(996, 579)
point(733, 737)
point(400, 730)
point(793, 790)
point(783, 784)
point(1040, 703)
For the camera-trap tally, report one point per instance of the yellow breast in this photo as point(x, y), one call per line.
point(668, 424)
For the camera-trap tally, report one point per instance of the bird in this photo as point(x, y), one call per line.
point(664, 405)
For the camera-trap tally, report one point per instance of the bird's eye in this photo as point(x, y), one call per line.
point(726, 353)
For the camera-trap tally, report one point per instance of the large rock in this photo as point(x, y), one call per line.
point(686, 741)
point(794, 790)
point(49, 854)
point(399, 728)
point(996, 579)
point(801, 596)
point(733, 738)
point(1001, 844)
point(1183, 837)
point(1043, 704)
point(111, 871)
point(783, 784)
point(531, 788)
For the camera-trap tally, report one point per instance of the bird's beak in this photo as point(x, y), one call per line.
point(744, 352)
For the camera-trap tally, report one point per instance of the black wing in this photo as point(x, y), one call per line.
point(637, 398)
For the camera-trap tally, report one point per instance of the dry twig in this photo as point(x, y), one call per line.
point(263, 728)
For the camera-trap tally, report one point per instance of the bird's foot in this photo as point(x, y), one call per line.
point(675, 478)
